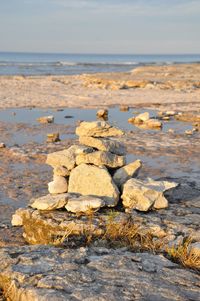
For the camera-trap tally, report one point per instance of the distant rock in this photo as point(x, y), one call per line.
point(143, 195)
point(84, 204)
point(143, 117)
point(58, 185)
point(100, 158)
point(95, 181)
point(50, 202)
point(53, 137)
point(126, 172)
point(97, 129)
point(104, 144)
point(46, 119)
point(67, 157)
point(124, 108)
point(103, 113)
point(2, 145)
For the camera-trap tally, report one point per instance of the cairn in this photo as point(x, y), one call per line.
point(94, 174)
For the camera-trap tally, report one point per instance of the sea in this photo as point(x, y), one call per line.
point(23, 63)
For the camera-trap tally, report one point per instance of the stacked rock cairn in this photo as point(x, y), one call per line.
point(94, 174)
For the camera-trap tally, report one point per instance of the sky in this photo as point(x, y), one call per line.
point(100, 26)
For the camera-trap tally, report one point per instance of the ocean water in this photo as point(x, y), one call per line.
point(12, 63)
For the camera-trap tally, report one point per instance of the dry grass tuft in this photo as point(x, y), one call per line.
point(184, 255)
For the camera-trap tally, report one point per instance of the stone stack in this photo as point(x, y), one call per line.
point(94, 174)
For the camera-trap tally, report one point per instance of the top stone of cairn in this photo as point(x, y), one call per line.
point(98, 129)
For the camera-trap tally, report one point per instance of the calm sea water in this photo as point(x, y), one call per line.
point(12, 63)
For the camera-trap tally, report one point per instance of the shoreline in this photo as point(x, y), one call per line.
point(172, 87)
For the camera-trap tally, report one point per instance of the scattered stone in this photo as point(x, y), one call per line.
point(98, 129)
point(143, 195)
point(2, 145)
point(46, 119)
point(170, 113)
point(124, 108)
point(142, 118)
point(166, 118)
point(144, 121)
point(50, 202)
point(102, 114)
point(95, 181)
point(172, 131)
point(84, 204)
point(16, 219)
point(153, 123)
point(67, 157)
point(101, 158)
point(58, 185)
point(61, 171)
point(189, 132)
point(53, 137)
point(126, 172)
point(104, 144)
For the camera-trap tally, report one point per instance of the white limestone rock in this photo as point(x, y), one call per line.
point(84, 204)
point(101, 158)
point(104, 144)
point(142, 195)
point(50, 202)
point(67, 157)
point(95, 181)
point(97, 129)
point(58, 185)
point(126, 172)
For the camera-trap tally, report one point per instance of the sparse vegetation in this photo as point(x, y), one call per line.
point(182, 254)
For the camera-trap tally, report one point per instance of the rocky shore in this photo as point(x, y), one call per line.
point(107, 214)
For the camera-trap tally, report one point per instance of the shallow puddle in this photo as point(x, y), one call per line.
point(29, 130)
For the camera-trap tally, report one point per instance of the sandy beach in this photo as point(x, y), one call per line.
point(173, 87)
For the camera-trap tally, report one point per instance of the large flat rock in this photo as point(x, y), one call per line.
point(143, 195)
point(104, 144)
point(66, 157)
point(98, 129)
point(92, 180)
point(36, 273)
point(101, 158)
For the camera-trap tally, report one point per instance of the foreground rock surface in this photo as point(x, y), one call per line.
point(92, 180)
point(143, 195)
point(46, 273)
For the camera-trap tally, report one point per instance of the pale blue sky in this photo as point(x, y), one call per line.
point(100, 26)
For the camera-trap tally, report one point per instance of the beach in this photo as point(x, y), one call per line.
point(173, 87)
point(171, 153)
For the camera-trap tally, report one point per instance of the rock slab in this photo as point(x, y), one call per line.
point(143, 195)
point(104, 144)
point(100, 158)
point(98, 129)
point(54, 274)
point(126, 172)
point(92, 180)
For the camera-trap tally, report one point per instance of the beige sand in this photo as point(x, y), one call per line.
point(167, 87)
